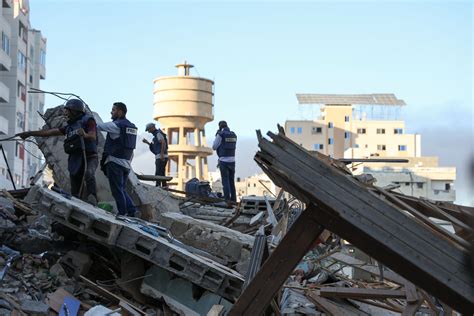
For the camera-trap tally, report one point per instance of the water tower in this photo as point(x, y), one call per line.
point(183, 104)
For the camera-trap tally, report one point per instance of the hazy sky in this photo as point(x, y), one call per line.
point(261, 53)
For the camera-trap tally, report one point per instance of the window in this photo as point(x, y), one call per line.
point(346, 135)
point(447, 186)
point(21, 61)
point(43, 57)
point(330, 141)
point(21, 91)
point(356, 145)
point(419, 185)
point(316, 130)
point(346, 118)
point(318, 146)
point(381, 147)
point(402, 147)
point(23, 32)
point(5, 43)
point(398, 131)
point(330, 125)
point(300, 130)
point(292, 130)
point(380, 130)
point(361, 131)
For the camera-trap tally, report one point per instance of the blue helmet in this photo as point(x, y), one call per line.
point(75, 105)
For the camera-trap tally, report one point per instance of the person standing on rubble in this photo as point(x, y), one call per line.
point(118, 152)
point(159, 147)
point(81, 140)
point(225, 144)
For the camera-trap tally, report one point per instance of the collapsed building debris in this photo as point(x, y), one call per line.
point(375, 221)
point(59, 254)
point(148, 241)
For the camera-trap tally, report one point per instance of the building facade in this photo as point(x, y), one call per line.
point(22, 67)
point(183, 104)
point(369, 126)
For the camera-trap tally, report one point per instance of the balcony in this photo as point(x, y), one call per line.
point(4, 93)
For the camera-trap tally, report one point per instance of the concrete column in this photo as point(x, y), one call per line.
point(203, 140)
point(182, 137)
point(205, 169)
point(196, 138)
point(181, 167)
point(198, 168)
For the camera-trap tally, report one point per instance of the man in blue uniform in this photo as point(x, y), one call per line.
point(118, 152)
point(80, 141)
point(225, 144)
point(159, 147)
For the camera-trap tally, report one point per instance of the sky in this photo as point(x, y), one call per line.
point(260, 54)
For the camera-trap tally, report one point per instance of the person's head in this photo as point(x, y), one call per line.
point(222, 124)
point(150, 128)
point(119, 110)
point(74, 108)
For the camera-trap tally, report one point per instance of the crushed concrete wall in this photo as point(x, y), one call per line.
point(229, 245)
point(143, 195)
point(139, 238)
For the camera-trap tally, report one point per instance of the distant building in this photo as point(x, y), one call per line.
point(183, 104)
point(22, 66)
point(369, 126)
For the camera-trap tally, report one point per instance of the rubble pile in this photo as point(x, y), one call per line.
point(327, 244)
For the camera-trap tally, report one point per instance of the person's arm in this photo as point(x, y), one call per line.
point(41, 133)
point(217, 142)
point(162, 153)
point(109, 127)
point(91, 127)
point(146, 141)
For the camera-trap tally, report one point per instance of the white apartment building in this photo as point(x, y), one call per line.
point(369, 126)
point(22, 66)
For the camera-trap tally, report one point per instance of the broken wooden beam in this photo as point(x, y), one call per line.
point(274, 272)
point(354, 292)
point(369, 222)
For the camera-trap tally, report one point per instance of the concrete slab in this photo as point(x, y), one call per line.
point(130, 236)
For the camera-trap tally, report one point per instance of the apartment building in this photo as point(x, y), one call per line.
point(369, 126)
point(22, 67)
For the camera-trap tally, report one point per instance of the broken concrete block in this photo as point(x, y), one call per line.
point(220, 241)
point(77, 263)
point(182, 296)
point(34, 307)
point(135, 236)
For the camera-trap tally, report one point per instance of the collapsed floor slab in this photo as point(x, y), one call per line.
point(137, 237)
point(231, 246)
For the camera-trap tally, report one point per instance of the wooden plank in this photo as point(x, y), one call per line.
point(326, 305)
point(216, 310)
point(353, 292)
point(370, 223)
point(443, 232)
point(274, 272)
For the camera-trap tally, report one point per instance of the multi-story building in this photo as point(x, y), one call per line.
point(22, 66)
point(369, 126)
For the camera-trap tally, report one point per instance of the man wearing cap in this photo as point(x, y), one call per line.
point(81, 140)
point(159, 147)
point(118, 152)
point(225, 144)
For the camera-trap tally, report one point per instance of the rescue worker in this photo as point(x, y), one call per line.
point(225, 144)
point(81, 136)
point(159, 147)
point(118, 152)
